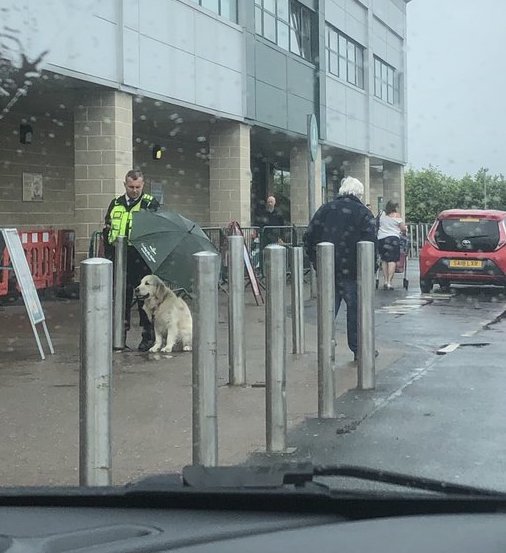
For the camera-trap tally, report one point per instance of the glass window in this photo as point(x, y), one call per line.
point(213, 5)
point(294, 43)
point(342, 45)
point(350, 63)
point(229, 9)
point(287, 23)
point(283, 35)
point(270, 5)
point(384, 90)
point(351, 52)
point(390, 76)
point(258, 20)
point(481, 235)
point(305, 31)
point(269, 27)
point(386, 82)
point(342, 67)
point(333, 65)
point(282, 12)
point(351, 76)
point(226, 8)
point(360, 71)
point(333, 41)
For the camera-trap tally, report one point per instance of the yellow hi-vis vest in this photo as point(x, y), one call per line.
point(121, 217)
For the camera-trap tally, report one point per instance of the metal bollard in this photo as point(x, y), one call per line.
point(95, 373)
point(205, 361)
point(326, 313)
point(97, 238)
point(119, 333)
point(298, 338)
point(313, 286)
point(236, 328)
point(275, 348)
point(366, 342)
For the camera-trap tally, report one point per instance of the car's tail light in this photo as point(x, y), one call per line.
point(501, 243)
point(502, 236)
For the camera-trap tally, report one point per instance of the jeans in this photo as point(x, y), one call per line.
point(347, 290)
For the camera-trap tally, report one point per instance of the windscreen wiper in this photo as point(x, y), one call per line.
point(299, 474)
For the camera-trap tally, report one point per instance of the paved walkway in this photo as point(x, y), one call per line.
point(151, 421)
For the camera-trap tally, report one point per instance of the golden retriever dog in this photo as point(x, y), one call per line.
point(170, 316)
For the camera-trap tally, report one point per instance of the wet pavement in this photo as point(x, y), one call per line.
point(151, 419)
point(438, 411)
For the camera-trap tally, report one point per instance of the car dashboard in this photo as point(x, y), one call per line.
point(131, 530)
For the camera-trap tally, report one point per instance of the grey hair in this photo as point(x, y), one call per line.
point(351, 185)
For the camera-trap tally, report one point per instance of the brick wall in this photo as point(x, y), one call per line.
point(184, 175)
point(51, 154)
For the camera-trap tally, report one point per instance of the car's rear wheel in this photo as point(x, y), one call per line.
point(425, 285)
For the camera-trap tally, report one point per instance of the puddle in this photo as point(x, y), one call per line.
point(476, 345)
point(449, 348)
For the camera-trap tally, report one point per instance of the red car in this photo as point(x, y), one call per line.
point(465, 246)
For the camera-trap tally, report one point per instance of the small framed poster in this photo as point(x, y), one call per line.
point(157, 191)
point(33, 188)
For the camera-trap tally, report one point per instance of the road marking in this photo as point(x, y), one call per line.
point(448, 349)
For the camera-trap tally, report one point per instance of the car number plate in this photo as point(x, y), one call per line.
point(466, 264)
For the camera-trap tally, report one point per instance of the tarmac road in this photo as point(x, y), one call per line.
point(151, 417)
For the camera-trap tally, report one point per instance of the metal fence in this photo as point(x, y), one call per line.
point(256, 239)
point(417, 234)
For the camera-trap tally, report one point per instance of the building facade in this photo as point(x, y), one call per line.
point(209, 98)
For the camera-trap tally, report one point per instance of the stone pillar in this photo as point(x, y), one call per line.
point(376, 188)
point(230, 174)
point(103, 155)
point(358, 166)
point(393, 184)
point(299, 183)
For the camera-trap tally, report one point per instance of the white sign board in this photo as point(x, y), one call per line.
point(26, 284)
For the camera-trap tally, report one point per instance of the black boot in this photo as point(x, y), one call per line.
point(147, 341)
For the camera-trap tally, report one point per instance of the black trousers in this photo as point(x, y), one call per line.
point(136, 270)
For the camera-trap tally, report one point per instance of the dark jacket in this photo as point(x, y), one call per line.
point(344, 221)
point(265, 218)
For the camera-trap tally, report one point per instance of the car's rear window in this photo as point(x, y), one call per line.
point(467, 234)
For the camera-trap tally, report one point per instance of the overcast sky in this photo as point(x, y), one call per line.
point(457, 85)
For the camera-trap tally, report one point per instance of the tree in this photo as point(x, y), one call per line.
point(429, 191)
